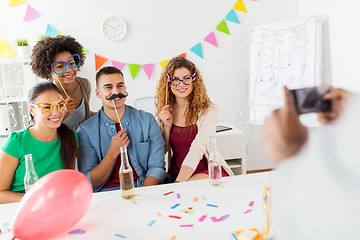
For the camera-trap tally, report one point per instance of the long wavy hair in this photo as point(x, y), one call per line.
point(199, 101)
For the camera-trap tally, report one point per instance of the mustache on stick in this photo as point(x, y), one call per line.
point(115, 96)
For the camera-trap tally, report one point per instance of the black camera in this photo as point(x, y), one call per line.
point(311, 99)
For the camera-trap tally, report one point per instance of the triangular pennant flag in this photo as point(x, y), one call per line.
point(99, 61)
point(211, 39)
point(118, 65)
point(85, 51)
point(197, 49)
point(239, 5)
point(51, 31)
point(15, 2)
point(182, 55)
point(222, 27)
point(232, 16)
point(134, 68)
point(163, 63)
point(148, 68)
point(30, 14)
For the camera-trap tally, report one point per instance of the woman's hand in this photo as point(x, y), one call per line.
point(70, 105)
point(166, 117)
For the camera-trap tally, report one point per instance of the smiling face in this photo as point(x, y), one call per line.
point(109, 84)
point(182, 90)
point(48, 112)
point(68, 77)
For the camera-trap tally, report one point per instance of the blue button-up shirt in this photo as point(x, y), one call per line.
point(146, 145)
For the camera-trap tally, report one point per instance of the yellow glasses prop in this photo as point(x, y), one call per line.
point(47, 106)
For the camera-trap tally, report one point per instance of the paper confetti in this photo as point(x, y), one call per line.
point(172, 216)
point(178, 195)
point(248, 211)
point(133, 201)
point(151, 223)
point(195, 199)
point(211, 205)
point(190, 225)
point(251, 203)
point(214, 219)
point(176, 205)
point(159, 214)
point(168, 193)
point(120, 236)
point(202, 218)
point(224, 217)
point(173, 238)
point(77, 231)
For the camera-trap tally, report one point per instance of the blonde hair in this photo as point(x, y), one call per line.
point(199, 101)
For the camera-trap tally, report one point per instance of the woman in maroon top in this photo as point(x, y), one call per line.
point(188, 118)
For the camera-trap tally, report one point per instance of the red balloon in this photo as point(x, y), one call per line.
point(53, 205)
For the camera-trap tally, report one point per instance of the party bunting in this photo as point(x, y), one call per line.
point(51, 31)
point(118, 65)
point(99, 61)
point(148, 68)
point(30, 14)
point(211, 39)
point(182, 55)
point(232, 17)
point(134, 69)
point(15, 2)
point(163, 63)
point(197, 49)
point(85, 51)
point(222, 27)
point(239, 6)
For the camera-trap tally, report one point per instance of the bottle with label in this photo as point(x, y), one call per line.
point(126, 175)
point(214, 163)
point(30, 176)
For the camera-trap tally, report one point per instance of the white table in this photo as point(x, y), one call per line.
point(109, 214)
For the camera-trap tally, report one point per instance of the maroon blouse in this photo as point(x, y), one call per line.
point(180, 142)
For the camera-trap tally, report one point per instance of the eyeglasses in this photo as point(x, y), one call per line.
point(175, 81)
point(47, 106)
point(59, 67)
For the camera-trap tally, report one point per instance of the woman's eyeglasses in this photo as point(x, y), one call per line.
point(175, 81)
point(59, 67)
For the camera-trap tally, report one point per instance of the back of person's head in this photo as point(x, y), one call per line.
point(107, 71)
point(68, 148)
point(45, 51)
point(199, 102)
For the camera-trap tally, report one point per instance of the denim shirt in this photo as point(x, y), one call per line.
point(146, 145)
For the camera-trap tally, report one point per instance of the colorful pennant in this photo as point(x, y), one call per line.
point(211, 39)
point(85, 51)
point(232, 17)
point(30, 14)
point(163, 63)
point(99, 61)
point(15, 2)
point(222, 27)
point(148, 69)
point(197, 49)
point(51, 31)
point(134, 69)
point(239, 6)
point(118, 65)
point(182, 55)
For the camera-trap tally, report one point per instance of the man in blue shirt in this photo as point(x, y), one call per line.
point(100, 138)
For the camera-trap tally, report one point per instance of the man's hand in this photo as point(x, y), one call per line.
point(338, 98)
point(283, 133)
point(119, 140)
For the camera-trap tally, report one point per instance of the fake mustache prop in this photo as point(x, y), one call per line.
point(115, 96)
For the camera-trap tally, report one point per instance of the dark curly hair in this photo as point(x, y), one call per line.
point(45, 51)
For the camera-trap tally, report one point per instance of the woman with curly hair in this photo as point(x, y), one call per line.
point(58, 60)
point(188, 118)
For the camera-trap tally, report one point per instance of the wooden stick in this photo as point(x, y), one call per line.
point(166, 96)
point(62, 87)
point(117, 113)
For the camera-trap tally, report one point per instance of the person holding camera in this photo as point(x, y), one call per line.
point(316, 186)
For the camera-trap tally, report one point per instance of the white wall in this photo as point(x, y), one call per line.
point(158, 30)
